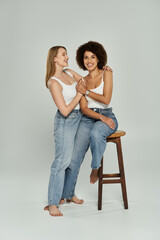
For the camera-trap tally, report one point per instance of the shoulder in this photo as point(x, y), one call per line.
point(107, 73)
point(52, 84)
point(70, 71)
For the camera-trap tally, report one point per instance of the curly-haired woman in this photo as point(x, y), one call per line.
point(98, 120)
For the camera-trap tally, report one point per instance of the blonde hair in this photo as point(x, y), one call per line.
point(50, 66)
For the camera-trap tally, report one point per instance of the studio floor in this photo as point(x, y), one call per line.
point(26, 221)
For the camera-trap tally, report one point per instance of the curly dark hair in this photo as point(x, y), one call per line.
point(95, 48)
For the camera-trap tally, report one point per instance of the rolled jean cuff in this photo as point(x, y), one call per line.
point(68, 196)
point(95, 167)
point(51, 204)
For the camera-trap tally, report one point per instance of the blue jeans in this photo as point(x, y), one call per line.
point(93, 133)
point(65, 129)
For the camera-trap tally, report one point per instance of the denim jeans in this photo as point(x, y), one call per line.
point(93, 133)
point(65, 129)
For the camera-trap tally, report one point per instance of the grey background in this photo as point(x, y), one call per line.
point(129, 31)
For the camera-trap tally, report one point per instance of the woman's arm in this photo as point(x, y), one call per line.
point(90, 113)
point(56, 92)
point(76, 76)
point(107, 90)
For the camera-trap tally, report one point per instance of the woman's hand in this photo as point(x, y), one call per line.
point(107, 68)
point(108, 121)
point(81, 87)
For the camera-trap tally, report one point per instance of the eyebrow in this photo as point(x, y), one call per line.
point(91, 55)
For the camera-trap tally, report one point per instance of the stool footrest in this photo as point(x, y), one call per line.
point(112, 175)
point(111, 181)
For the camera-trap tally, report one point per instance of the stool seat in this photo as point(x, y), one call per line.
point(117, 134)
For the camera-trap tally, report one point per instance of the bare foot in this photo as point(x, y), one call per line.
point(75, 200)
point(94, 176)
point(62, 201)
point(53, 211)
point(46, 208)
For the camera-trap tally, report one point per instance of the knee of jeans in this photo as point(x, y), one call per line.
point(60, 165)
point(100, 135)
point(96, 135)
point(75, 166)
point(65, 164)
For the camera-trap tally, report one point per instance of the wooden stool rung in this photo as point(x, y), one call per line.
point(106, 181)
point(111, 175)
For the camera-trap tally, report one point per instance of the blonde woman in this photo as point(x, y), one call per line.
point(62, 85)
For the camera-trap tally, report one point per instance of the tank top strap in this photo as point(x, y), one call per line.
point(102, 82)
point(63, 84)
point(102, 75)
point(70, 74)
point(58, 80)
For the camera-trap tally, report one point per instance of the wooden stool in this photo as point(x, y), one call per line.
point(115, 138)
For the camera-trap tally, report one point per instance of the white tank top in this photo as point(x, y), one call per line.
point(69, 91)
point(94, 104)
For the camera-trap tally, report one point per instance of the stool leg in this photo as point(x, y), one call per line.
point(100, 184)
point(122, 174)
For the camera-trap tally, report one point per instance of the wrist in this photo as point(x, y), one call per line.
point(103, 118)
point(79, 94)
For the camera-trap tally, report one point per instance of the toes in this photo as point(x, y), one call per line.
point(46, 208)
point(62, 201)
point(75, 200)
point(56, 214)
point(53, 211)
point(52, 214)
point(92, 181)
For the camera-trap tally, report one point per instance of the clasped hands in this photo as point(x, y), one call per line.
point(81, 86)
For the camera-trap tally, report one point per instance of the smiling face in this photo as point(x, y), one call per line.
point(62, 58)
point(90, 60)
